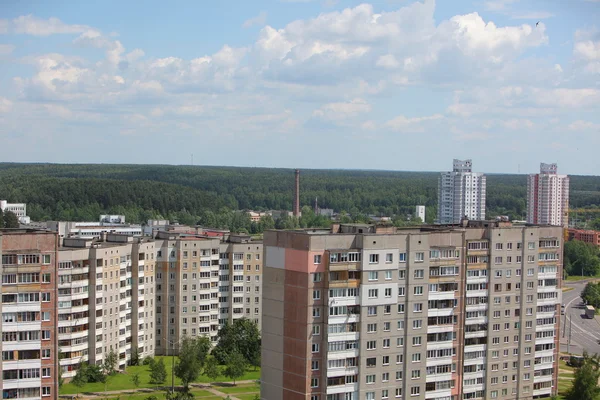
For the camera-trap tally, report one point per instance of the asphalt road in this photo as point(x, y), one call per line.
point(585, 333)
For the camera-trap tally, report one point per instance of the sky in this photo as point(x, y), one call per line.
point(392, 84)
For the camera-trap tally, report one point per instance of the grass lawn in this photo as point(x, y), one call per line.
point(575, 278)
point(237, 389)
point(122, 381)
point(249, 396)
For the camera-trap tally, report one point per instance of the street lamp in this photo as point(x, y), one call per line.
point(172, 343)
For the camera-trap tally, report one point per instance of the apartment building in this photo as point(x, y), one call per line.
point(105, 300)
point(588, 236)
point(548, 197)
point(29, 365)
point(435, 312)
point(461, 193)
point(19, 209)
point(203, 282)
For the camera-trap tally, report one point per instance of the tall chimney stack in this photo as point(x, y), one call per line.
point(296, 209)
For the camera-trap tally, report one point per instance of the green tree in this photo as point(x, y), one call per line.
point(581, 258)
point(1, 219)
point(235, 367)
point(211, 369)
point(80, 378)
point(108, 367)
point(10, 220)
point(191, 359)
point(135, 357)
point(158, 372)
point(135, 379)
point(243, 337)
point(585, 382)
point(591, 294)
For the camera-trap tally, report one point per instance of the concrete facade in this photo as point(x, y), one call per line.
point(461, 193)
point(29, 320)
point(204, 282)
point(548, 197)
point(106, 300)
point(361, 312)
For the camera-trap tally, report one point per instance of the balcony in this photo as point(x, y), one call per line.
point(346, 388)
point(336, 337)
point(450, 295)
point(331, 372)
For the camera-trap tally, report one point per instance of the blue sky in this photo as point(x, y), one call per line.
point(392, 84)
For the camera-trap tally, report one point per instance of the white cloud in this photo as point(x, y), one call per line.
point(581, 125)
point(387, 61)
point(30, 25)
point(518, 124)
point(342, 111)
point(406, 124)
point(6, 49)
point(260, 19)
point(5, 105)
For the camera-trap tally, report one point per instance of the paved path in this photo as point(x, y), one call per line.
point(213, 389)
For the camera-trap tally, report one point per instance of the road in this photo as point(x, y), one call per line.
point(585, 333)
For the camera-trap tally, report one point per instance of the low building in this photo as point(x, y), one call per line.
point(587, 236)
point(19, 209)
point(92, 230)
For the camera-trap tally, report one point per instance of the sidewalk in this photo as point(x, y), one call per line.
point(208, 387)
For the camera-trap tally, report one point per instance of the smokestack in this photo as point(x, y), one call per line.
point(296, 209)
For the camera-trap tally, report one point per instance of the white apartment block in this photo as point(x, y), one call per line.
point(105, 300)
point(92, 230)
point(420, 212)
point(461, 193)
point(204, 282)
point(19, 209)
point(548, 197)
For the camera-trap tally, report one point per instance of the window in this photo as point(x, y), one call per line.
point(386, 343)
point(373, 258)
point(402, 257)
point(415, 374)
point(388, 292)
point(531, 245)
point(419, 257)
point(315, 347)
point(401, 291)
point(373, 275)
point(417, 324)
point(371, 328)
point(372, 310)
point(415, 391)
point(371, 345)
point(46, 278)
point(317, 259)
point(388, 275)
point(314, 382)
point(416, 340)
point(45, 353)
point(400, 308)
point(46, 391)
point(418, 290)
point(317, 277)
point(419, 273)
point(389, 257)
point(314, 365)
point(372, 293)
point(417, 307)
point(370, 379)
point(316, 330)
point(45, 372)
point(316, 312)
point(316, 294)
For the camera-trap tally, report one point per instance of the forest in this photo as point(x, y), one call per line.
point(191, 194)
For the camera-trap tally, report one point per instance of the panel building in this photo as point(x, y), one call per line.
point(204, 282)
point(105, 300)
point(29, 365)
point(438, 312)
point(548, 197)
point(461, 193)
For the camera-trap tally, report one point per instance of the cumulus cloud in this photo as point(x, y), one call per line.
point(414, 124)
point(342, 110)
point(5, 105)
point(260, 19)
point(30, 25)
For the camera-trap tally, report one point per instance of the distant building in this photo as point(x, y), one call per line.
point(587, 236)
point(154, 225)
point(326, 212)
point(19, 209)
point(420, 212)
point(548, 197)
point(92, 230)
point(256, 216)
point(112, 219)
point(461, 193)
point(276, 214)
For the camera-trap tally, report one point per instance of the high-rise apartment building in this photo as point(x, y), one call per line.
point(436, 312)
point(461, 193)
point(29, 346)
point(105, 300)
point(548, 197)
point(204, 282)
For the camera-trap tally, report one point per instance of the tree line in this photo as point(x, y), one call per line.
point(189, 194)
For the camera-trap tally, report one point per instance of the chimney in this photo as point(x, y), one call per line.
point(296, 209)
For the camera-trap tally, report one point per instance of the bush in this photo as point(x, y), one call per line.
point(148, 361)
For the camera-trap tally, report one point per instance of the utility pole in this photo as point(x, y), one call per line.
point(570, 331)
